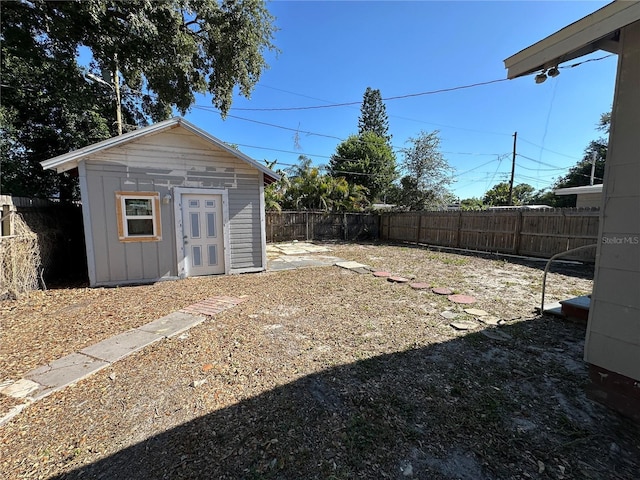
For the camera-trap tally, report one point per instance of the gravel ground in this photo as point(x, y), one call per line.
point(320, 373)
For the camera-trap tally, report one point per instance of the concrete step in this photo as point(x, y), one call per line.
point(576, 308)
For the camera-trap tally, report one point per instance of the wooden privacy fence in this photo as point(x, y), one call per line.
point(287, 226)
point(536, 233)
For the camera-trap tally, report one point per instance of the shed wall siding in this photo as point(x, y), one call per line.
point(613, 332)
point(584, 200)
point(174, 158)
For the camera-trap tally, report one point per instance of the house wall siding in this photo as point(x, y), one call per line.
point(160, 162)
point(613, 332)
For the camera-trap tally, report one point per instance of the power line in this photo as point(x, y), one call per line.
point(547, 149)
point(398, 97)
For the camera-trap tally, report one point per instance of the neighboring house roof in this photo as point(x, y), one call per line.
point(579, 190)
point(597, 31)
point(70, 160)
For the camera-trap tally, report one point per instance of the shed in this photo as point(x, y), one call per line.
point(586, 196)
point(612, 346)
point(168, 201)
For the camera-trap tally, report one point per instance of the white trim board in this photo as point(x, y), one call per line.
point(596, 31)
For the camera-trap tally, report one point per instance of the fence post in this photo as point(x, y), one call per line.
point(459, 232)
point(306, 219)
point(517, 234)
point(419, 227)
point(345, 226)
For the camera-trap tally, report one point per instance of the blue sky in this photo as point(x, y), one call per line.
point(331, 51)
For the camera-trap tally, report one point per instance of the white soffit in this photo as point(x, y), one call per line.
point(575, 190)
point(597, 31)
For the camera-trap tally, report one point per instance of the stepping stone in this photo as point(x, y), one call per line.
point(462, 325)
point(461, 299)
point(442, 291)
point(350, 265)
point(381, 274)
point(397, 279)
point(476, 312)
point(495, 334)
point(490, 320)
point(21, 388)
point(449, 315)
point(419, 286)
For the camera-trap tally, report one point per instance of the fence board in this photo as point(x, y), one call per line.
point(539, 233)
point(288, 226)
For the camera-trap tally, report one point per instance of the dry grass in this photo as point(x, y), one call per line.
point(321, 373)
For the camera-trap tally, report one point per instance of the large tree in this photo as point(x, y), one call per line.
point(366, 160)
point(160, 53)
point(498, 195)
point(427, 174)
point(373, 115)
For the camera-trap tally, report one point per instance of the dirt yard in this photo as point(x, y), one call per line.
point(321, 373)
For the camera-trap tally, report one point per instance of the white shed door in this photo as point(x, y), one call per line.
point(203, 236)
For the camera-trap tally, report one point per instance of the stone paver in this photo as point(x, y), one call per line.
point(67, 370)
point(449, 315)
point(461, 299)
point(420, 286)
point(20, 389)
point(350, 265)
point(462, 325)
point(63, 372)
point(212, 306)
point(381, 274)
point(395, 279)
point(173, 324)
point(490, 320)
point(442, 291)
point(114, 348)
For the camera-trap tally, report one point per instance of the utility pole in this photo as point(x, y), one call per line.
point(116, 90)
point(513, 168)
point(593, 167)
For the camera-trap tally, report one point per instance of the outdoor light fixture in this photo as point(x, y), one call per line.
point(541, 77)
point(166, 199)
point(553, 72)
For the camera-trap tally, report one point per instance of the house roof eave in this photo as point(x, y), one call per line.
point(597, 31)
point(576, 190)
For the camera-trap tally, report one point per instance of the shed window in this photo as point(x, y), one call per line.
point(138, 215)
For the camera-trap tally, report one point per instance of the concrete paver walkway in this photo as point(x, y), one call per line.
point(45, 380)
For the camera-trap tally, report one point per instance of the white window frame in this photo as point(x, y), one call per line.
point(121, 214)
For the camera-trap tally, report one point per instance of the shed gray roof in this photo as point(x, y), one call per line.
point(597, 31)
point(70, 160)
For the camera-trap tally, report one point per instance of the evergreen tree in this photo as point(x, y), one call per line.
point(373, 115)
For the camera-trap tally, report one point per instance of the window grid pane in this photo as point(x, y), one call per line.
point(136, 226)
point(136, 207)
